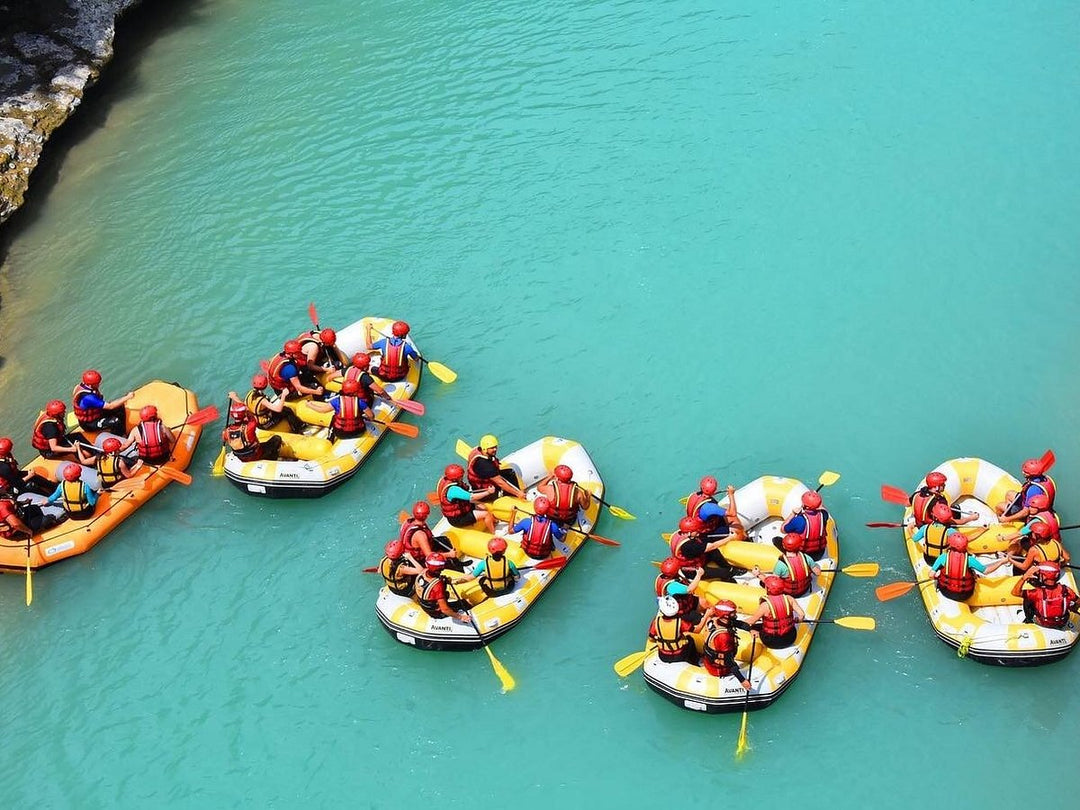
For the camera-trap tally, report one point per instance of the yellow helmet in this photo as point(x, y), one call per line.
point(488, 441)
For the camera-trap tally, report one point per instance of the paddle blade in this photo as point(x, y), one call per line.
point(202, 416)
point(373, 570)
point(130, 484)
point(895, 495)
point(862, 569)
point(684, 500)
point(179, 476)
point(553, 562)
point(409, 406)
point(607, 541)
point(505, 678)
point(620, 513)
point(743, 745)
point(856, 622)
point(893, 590)
point(412, 431)
point(625, 666)
point(402, 516)
point(218, 469)
point(1048, 459)
point(462, 448)
point(885, 525)
point(313, 314)
point(433, 498)
point(29, 580)
point(441, 372)
point(666, 537)
point(827, 479)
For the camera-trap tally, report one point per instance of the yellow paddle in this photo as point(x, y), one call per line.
point(743, 745)
point(29, 576)
point(218, 469)
point(502, 672)
point(624, 666)
point(462, 448)
point(850, 622)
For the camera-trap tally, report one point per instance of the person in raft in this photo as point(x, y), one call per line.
point(811, 523)
point(691, 546)
point(681, 583)
point(269, 411)
point(12, 477)
point(320, 351)
point(11, 519)
point(49, 435)
point(1017, 505)
point(717, 521)
point(923, 499)
point(457, 501)
point(240, 437)
point(484, 470)
point(496, 574)
point(390, 567)
point(671, 633)
point(286, 374)
point(934, 535)
point(565, 495)
point(420, 541)
point(1047, 602)
point(433, 591)
point(1040, 513)
point(111, 467)
point(152, 439)
point(395, 353)
point(954, 571)
point(91, 408)
point(1044, 548)
point(775, 620)
point(76, 497)
point(358, 371)
point(540, 531)
point(722, 642)
point(351, 412)
point(794, 567)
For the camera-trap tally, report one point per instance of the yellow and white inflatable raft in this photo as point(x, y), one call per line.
point(763, 506)
point(320, 465)
point(407, 622)
point(989, 627)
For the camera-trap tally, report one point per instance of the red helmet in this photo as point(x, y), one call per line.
point(454, 472)
point(1042, 530)
point(690, 525)
point(725, 607)
point(350, 387)
point(394, 549)
point(542, 505)
point(433, 562)
point(708, 485)
point(72, 472)
point(420, 510)
point(792, 542)
point(110, 445)
point(811, 499)
point(1040, 502)
point(147, 413)
point(400, 329)
point(670, 567)
point(496, 545)
point(291, 347)
point(55, 408)
point(564, 473)
point(1032, 466)
point(238, 411)
point(774, 585)
point(5, 446)
point(957, 542)
point(328, 337)
point(941, 512)
point(1049, 572)
point(935, 479)
point(259, 382)
point(361, 360)
point(91, 377)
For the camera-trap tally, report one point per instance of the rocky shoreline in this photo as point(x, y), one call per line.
point(51, 51)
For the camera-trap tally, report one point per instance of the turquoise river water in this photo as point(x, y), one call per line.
point(737, 238)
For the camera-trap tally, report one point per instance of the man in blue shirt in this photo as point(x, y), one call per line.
point(395, 353)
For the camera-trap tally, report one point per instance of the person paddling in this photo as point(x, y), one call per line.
point(775, 620)
point(16, 480)
point(152, 439)
point(320, 350)
point(286, 374)
point(358, 371)
point(111, 467)
point(240, 437)
point(811, 523)
point(795, 568)
point(675, 581)
point(395, 353)
point(954, 571)
point(93, 411)
point(433, 591)
point(495, 573)
point(1044, 548)
point(692, 548)
point(1047, 602)
point(1017, 505)
point(567, 498)
point(76, 497)
point(458, 502)
point(49, 435)
point(484, 470)
point(268, 411)
point(923, 499)
point(672, 633)
point(934, 535)
point(391, 567)
point(539, 531)
point(420, 541)
point(722, 642)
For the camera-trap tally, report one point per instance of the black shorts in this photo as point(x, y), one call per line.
point(779, 642)
point(466, 521)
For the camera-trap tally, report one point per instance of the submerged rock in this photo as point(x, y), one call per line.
point(50, 52)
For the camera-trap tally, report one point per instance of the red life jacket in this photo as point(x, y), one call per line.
point(152, 444)
point(956, 576)
point(428, 591)
point(393, 365)
point(678, 539)
point(81, 413)
point(7, 509)
point(797, 581)
point(475, 481)
point(1044, 482)
point(451, 508)
point(245, 433)
point(409, 529)
point(694, 504)
point(669, 634)
point(350, 419)
point(1050, 605)
point(273, 370)
point(780, 619)
point(37, 439)
point(563, 498)
point(363, 379)
point(815, 533)
point(718, 647)
point(537, 542)
point(921, 504)
point(1050, 519)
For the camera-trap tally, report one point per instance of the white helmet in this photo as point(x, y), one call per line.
point(669, 606)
